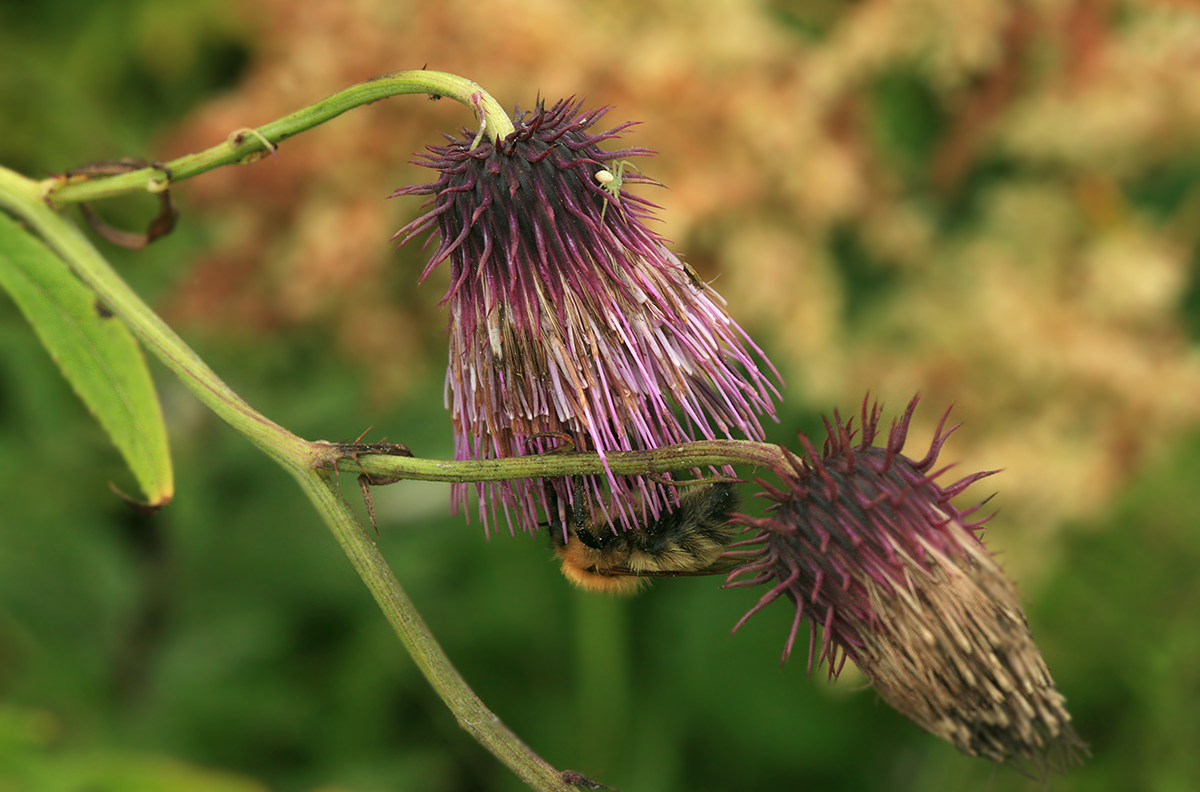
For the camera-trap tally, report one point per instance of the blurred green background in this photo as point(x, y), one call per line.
point(995, 204)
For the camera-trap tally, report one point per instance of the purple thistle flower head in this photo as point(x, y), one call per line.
point(569, 318)
point(864, 542)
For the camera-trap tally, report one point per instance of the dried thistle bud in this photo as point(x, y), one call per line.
point(866, 544)
point(569, 317)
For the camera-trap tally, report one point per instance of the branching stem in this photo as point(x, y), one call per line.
point(312, 463)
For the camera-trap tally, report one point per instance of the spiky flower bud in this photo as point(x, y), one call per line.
point(568, 317)
point(866, 544)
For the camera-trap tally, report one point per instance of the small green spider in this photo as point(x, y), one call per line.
point(611, 182)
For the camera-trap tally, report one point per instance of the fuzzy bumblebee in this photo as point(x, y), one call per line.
point(688, 540)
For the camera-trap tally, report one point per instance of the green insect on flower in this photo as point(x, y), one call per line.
point(611, 182)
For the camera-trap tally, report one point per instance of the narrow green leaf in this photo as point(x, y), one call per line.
point(96, 353)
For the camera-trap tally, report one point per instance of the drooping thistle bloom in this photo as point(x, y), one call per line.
point(570, 319)
point(864, 543)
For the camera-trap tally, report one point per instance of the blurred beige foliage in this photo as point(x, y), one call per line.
point(1051, 319)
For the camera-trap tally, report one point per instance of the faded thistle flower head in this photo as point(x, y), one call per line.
point(866, 544)
point(569, 318)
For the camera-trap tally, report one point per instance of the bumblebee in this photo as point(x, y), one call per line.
point(688, 540)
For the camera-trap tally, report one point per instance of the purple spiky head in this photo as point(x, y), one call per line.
point(866, 544)
point(569, 318)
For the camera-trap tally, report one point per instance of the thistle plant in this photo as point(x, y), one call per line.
point(570, 319)
point(865, 543)
point(580, 347)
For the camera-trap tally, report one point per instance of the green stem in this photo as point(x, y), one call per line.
point(705, 453)
point(470, 711)
point(247, 145)
point(300, 458)
point(21, 196)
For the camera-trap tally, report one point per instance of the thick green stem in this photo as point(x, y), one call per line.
point(468, 709)
point(247, 145)
point(20, 196)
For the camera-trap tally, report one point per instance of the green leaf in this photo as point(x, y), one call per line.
point(95, 351)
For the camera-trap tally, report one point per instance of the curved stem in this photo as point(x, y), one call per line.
point(300, 458)
point(247, 145)
point(70, 243)
point(469, 710)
